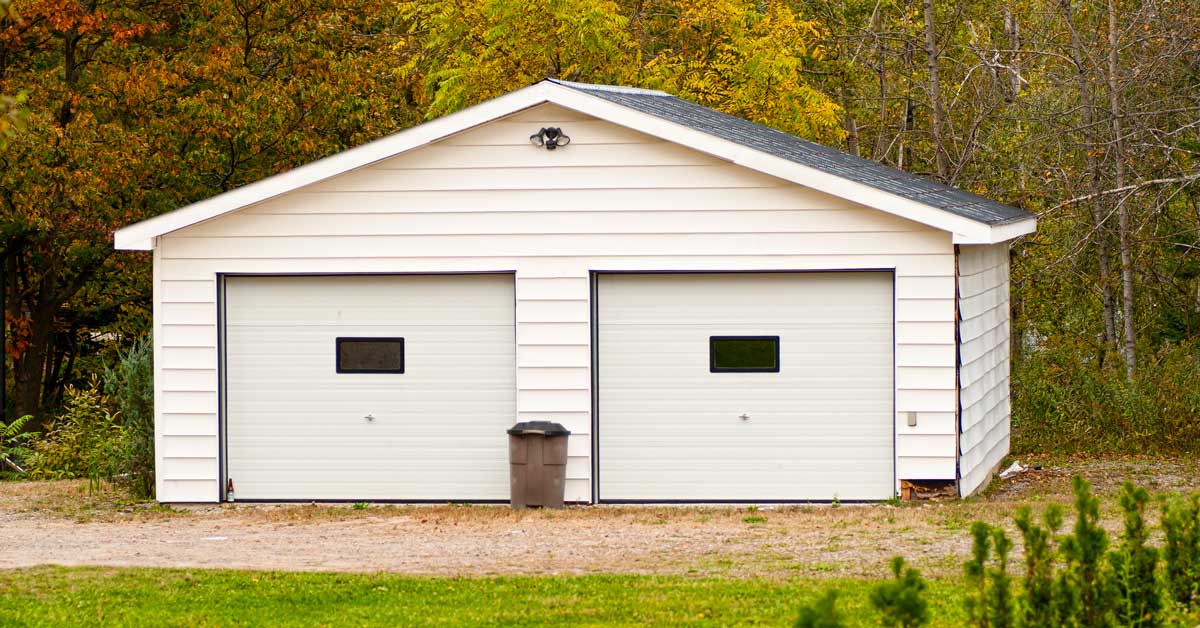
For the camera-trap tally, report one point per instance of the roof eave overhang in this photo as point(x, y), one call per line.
point(1001, 233)
point(141, 236)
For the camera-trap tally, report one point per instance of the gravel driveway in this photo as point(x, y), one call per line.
point(60, 523)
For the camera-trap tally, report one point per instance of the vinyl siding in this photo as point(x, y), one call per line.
point(984, 369)
point(485, 200)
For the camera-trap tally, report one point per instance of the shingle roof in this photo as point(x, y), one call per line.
point(801, 151)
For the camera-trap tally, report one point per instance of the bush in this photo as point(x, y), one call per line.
point(1138, 601)
point(822, 613)
point(130, 384)
point(1181, 550)
point(14, 445)
point(1084, 584)
point(106, 430)
point(901, 601)
point(1083, 551)
point(990, 601)
point(1038, 605)
point(1065, 405)
point(85, 441)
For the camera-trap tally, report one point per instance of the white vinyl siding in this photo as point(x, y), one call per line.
point(820, 428)
point(639, 203)
point(984, 373)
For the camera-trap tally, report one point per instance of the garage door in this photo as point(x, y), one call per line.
point(732, 387)
point(369, 387)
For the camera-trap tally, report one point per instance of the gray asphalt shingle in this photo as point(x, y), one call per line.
point(801, 151)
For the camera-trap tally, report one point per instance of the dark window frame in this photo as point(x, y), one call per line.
point(393, 339)
point(712, 355)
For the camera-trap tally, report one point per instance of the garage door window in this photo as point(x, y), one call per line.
point(370, 355)
point(743, 354)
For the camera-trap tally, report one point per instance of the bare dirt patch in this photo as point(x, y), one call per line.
point(62, 523)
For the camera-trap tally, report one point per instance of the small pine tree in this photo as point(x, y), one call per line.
point(822, 613)
point(975, 570)
point(999, 590)
point(1181, 551)
point(1138, 600)
point(901, 600)
point(1038, 606)
point(1084, 551)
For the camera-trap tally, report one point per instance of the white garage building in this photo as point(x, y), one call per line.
point(716, 310)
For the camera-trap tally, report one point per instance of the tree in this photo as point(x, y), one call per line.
point(901, 601)
point(136, 109)
point(731, 55)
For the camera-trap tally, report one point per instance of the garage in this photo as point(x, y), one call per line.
point(715, 310)
point(745, 386)
point(369, 387)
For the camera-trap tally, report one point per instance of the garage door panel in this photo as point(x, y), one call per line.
point(297, 428)
point(821, 427)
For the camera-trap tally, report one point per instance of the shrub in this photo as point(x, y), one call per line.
point(822, 613)
point(85, 441)
point(989, 600)
point(1138, 601)
point(14, 445)
point(130, 384)
point(976, 572)
point(1181, 549)
point(901, 601)
point(1039, 605)
point(1062, 404)
point(1000, 600)
point(1084, 551)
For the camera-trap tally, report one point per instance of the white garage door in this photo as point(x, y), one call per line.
point(731, 387)
point(370, 387)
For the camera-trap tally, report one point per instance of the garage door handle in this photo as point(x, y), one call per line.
point(369, 417)
point(744, 417)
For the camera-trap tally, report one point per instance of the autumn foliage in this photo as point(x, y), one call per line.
point(1082, 111)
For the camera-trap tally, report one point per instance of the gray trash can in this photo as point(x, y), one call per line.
point(537, 456)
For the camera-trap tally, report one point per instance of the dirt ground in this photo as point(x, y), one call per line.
point(62, 523)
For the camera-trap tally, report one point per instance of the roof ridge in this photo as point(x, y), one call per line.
point(616, 89)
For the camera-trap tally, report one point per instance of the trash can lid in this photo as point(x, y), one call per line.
point(545, 428)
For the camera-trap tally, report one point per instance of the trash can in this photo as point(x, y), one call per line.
point(537, 456)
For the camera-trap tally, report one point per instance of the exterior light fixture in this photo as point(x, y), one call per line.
point(551, 137)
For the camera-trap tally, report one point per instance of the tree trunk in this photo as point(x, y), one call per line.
point(881, 143)
point(29, 370)
point(1123, 236)
point(1089, 139)
point(1012, 30)
point(941, 160)
point(849, 124)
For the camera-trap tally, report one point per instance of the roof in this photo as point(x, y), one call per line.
point(970, 218)
point(802, 151)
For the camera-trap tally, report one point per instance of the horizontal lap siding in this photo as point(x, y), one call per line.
point(186, 386)
point(485, 200)
point(984, 370)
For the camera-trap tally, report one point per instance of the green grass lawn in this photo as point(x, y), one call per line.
point(59, 596)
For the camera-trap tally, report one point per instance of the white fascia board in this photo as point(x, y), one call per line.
point(1002, 233)
point(969, 231)
point(140, 236)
